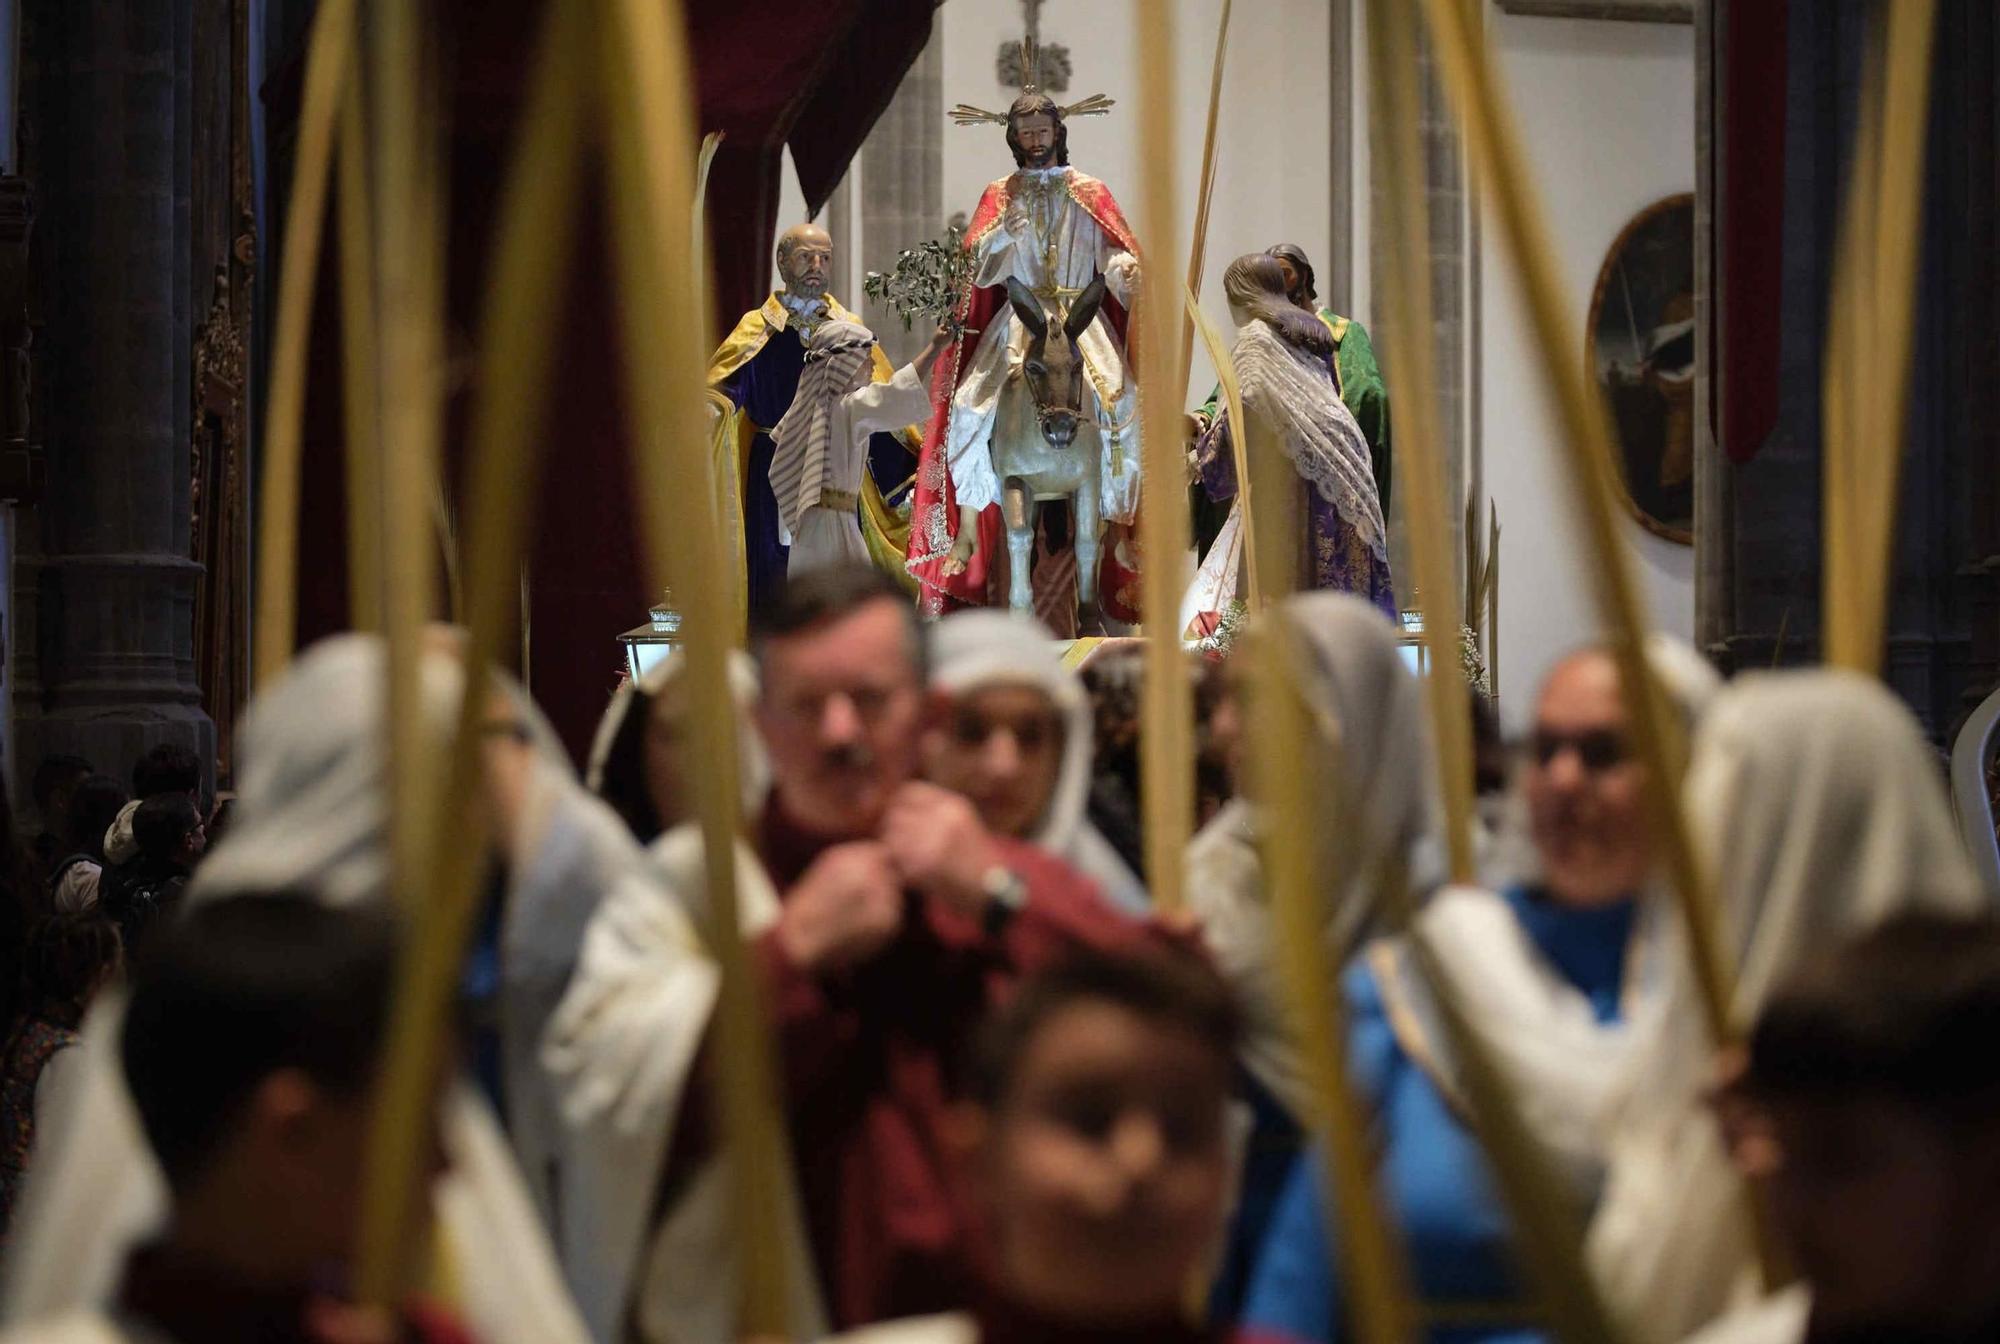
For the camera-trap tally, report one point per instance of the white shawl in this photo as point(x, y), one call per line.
point(1564, 1067)
point(313, 815)
point(1823, 812)
point(981, 648)
point(1354, 678)
point(1293, 392)
point(619, 1052)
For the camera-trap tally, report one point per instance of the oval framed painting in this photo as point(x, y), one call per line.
point(1641, 353)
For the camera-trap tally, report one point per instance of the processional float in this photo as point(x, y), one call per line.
point(618, 68)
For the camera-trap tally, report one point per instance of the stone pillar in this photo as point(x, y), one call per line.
point(1714, 557)
point(115, 590)
point(1454, 317)
point(902, 173)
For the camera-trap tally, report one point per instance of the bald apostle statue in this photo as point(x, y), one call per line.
point(756, 372)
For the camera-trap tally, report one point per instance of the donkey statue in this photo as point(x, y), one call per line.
point(1045, 446)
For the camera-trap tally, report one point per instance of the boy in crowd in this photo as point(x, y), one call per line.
point(170, 839)
point(1094, 1139)
point(251, 1043)
point(1869, 1113)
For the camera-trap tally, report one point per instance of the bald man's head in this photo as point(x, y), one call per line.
point(805, 259)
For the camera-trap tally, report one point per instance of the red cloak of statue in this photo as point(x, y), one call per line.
point(934, 511)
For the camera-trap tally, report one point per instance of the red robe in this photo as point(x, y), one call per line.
point(871, 1060)
point(934, 514)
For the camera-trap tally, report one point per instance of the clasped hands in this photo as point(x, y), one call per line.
point(849, 904)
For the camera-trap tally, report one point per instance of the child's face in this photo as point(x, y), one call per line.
point(1874, 1199)
point(1106, 1167)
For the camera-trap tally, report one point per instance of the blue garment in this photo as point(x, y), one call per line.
point(1439, 1190)
point(1269, 1160)
point(763, 390)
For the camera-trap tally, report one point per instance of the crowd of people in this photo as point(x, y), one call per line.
point(1017, 1101)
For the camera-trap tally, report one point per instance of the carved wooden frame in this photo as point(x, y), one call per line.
point(219, 432)
point(1680, 200)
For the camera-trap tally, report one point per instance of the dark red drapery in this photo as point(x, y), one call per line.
point(1751, 237)
point(814, 73)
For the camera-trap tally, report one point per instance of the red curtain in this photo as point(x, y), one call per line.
point(816, 73)
point(1751, 238)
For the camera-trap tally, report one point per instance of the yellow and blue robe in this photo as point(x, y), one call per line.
point(756, 371)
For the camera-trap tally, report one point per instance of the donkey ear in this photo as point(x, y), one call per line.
point(1084, 311)
point(1027, 307)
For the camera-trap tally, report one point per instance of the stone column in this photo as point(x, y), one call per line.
point(116, 587)
point(1714, 558)
point(902, 172)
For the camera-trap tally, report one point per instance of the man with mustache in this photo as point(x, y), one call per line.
point(885, 921)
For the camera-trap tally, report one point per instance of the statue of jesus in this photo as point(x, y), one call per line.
point(1055, 230)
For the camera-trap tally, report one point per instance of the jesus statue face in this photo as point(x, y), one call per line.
point(1035, 134)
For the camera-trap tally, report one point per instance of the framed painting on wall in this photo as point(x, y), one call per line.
point(1640, 338)
point(1637, 11)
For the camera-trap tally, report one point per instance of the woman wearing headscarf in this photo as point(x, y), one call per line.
point(1351, 673)
point(314, 817)
point(1549, 974)
point(822, 441)
point(1282, 359)
point(1016, 739)
point(1822, 812)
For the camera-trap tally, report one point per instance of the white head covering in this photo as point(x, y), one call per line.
point(754, 772)
point(312, 815)
point(1353, 676)
point(1353, 673)
point(976, 649)
point(313, 790)
point(1823, 811)
point(839, 358)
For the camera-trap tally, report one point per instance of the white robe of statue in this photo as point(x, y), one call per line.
point(619, 1054)
point(1052, 245)
point(821, 536)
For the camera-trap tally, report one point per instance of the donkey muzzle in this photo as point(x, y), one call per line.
point(1058, 426)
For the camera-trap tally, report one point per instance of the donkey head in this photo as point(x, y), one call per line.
point(1052, 366)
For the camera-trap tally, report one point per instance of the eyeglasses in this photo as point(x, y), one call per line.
point(1597, 750)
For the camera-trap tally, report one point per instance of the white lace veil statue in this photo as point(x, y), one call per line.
point(1293, 393)
point(1352, 674)
point(312, 815)
point(991, 647)
point(1280, 358)
point(1822, 812)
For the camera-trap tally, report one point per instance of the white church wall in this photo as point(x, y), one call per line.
point(1607, 114)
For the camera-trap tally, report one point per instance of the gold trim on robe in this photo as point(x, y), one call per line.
point(885, 534)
